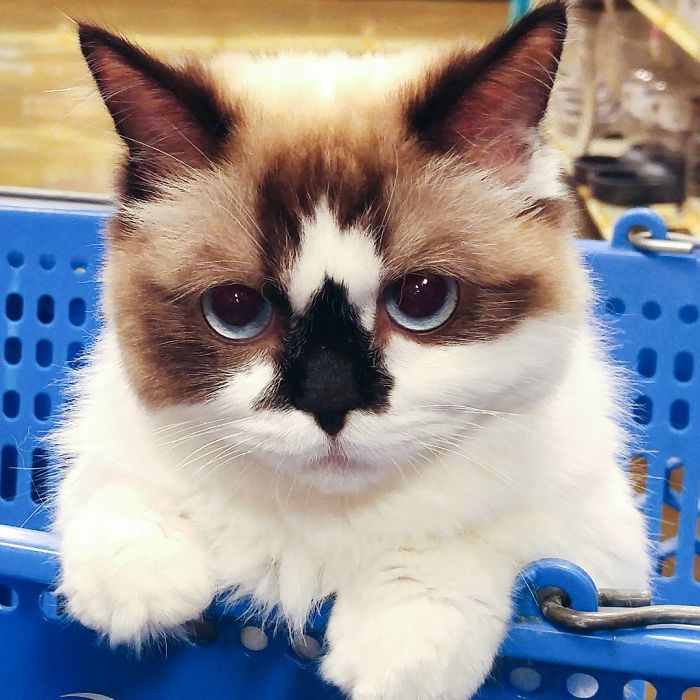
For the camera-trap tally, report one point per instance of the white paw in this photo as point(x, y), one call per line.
point(419, 650)
point(133, 576)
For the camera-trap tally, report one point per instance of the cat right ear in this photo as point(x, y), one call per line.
point(486, 105)
point(170, 118)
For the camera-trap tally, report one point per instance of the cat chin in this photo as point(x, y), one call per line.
point(347, 480)
point(328, 472)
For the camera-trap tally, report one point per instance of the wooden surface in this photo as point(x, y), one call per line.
point(54, 132)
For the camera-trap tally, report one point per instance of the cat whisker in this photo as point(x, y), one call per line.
point(188, 168)
point(194, 421)
point(197, 431)
point(191, 458)
point(503, 478)
point(469, 409)
point(385, 216)
point(225, 460)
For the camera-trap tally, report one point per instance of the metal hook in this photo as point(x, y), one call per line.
point(673, 243)
point(553, 604)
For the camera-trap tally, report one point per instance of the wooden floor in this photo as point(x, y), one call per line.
point(54, 132)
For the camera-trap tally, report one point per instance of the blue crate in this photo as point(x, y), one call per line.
point(651, 303)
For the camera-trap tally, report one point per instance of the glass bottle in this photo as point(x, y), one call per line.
point(692, 183)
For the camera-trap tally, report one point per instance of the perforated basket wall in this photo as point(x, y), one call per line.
point(651, 303)
point(48, 264)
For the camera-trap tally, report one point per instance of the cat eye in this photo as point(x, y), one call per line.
point(235, 311)
point(422, 302)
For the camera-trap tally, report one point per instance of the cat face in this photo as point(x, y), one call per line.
point(350, 263)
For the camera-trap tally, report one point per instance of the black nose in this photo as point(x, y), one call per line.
point(331, 422)
point(327, 388)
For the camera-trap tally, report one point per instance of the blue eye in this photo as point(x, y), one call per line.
point(422, 302)
point(235, 311)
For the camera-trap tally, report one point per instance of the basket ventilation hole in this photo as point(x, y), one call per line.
point(642, 410)
point(40, 476)
point(76, 311)
point(615, 306)
point(15, 258)
point(14, 306)
point(646, 362)
point(203, 632)
point(670, 516)
point(45, 310)
point(47, 261)
point(75, 355)
point(525, 679)
point(683, 367)
point(42, 406)
point(52, 605)
point(639, 690)
point(8, 472)
point(581, 685)
point(44, 353)
point(696, 558)
point(691, 693)
point(13, 351)
point(638, 472)
point(254, 638)
point(688, 313)
point(79, 266)
point(651, 310)
point(306, 647)
point(679, 414)
point(8, 596)
point(10, 404)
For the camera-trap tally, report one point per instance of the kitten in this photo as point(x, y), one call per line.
point(346, 351)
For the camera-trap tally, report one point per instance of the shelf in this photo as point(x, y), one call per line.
point(677, 29)
point(604, 216)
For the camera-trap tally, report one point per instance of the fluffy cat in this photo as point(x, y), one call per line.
point(346, 351)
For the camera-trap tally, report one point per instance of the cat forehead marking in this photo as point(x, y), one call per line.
point(347, 256)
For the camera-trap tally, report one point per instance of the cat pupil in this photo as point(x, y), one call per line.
point(236, 304)
point(420, 295)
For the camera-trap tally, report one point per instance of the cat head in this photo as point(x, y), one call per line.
point(345, 263)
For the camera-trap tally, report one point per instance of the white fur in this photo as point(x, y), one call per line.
point(544, 177)
point(489, 455)
point(348, 257)
point(315, 84)
point(451, 491)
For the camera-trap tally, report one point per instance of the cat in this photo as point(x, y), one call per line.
point(346, 351)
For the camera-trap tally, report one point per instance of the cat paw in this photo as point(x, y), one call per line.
point(133, 579)
point(417, 652)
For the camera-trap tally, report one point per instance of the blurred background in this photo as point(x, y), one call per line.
point(625, 113)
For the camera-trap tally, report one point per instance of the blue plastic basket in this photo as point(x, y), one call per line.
point(48, 261)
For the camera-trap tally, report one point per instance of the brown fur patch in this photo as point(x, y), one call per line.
point(485, 103)
point(239, 221)
point(172, 355)
point(350, 178)
point(171, 118)
point(510, 263)
point(239, 225)
point(444, 217)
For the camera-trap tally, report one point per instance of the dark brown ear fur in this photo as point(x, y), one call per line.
point(170, 118)
point(484, 104)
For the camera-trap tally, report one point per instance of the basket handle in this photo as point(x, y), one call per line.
point(653, 238)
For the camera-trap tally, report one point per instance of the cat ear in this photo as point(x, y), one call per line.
point(170, 118)
point(488, 104)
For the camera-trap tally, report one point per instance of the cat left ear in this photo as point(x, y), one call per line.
point(170, 118)
point(487, 104)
